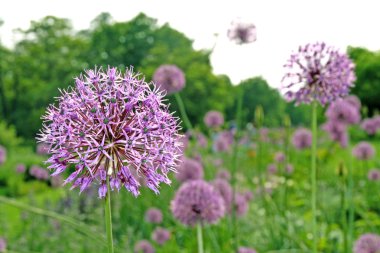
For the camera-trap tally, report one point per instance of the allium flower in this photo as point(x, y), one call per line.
point(343, 112)
point(241, 204)
point(370, 125)
point(279, 157)
point(337, 132)
point(354, 101)
point(302, 138)
point(201, 140)
point(223, 174)
point(223, 141)
point(363, 151)
point(289, 169)
point(3, 244)
point(246, 250)
point(38, 172)
point(264, 134)
point(197, 201)
point(3, 155)
point(144, 246)
point(42, 149)
point(225, 190)
point(161, 235)
point(318, 72)
point(169, 78)
point(242, 32)
point(189, 169)
point(20, 168)
point(112, 125)
point(272, 168)
point(248, 195)
point(153, 215)
point(213, 119)
point(367, 243)
point(374, 175)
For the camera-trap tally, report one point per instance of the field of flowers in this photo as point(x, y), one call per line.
point(114, 169)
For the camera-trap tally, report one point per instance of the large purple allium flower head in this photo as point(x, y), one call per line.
point(160, 235)
point(3, 155)
point(246, 250)
point(302, 138)
point(115, 125)
point(363, 151)
point(197, 201)
point(190, 169)
point(242, 32)
point(343, 112)
point(213, 119)
point(143, 246)
point(337, 131)
point(153, 215)
point(374, 175)
point(367, 243)
point(169, 78)
point(3, 244)
point(317, 72)
point(225, 190)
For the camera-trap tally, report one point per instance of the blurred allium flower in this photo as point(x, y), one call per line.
point(241, 204)
point(248, 195)
point(213, 119)
point(38, 172)
point(374, 175)
point(225, 190)
point(367, 243)
point(112, 124)
point(197, 201)
point(169, 78)
point(354, 101)
point(223, 174)
point(20, 168)
point(42, 148)
point(337, 132)
point(160, 235)
point(370, 125)
point(343, 112)
point(242, 32)
point(3, 244)
point(223, 141)
point(279, 157)
point(289, 169)
point(246, 250)
point(272, 168)
point(201, 140)
point(363, 151)
point(144, 246)
point(217, 162)
point(3, 155)
point(264, 134)
point(302, 138)
point(153, 215)
point(317, 72)
point(189, 169)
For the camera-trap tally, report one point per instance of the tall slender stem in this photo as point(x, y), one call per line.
point(350, 199)
point(314, 176)
point(108, 217)
point(182, 110)
point(200, 237)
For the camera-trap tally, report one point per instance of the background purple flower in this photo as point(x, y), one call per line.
point(302, 138)
point(20, 168)
point(225, 190)
point(241, 204)
point(371, 125)
point(354, 101)
point(38, 172)
point(223, 141)
point(374, 175)
point(160, 235)
point(213, 119)
point(143, 246)
point(246, 250)
point(189, 169)
point(153, 215)
point(3, 245)
point(272, 168)
point(197, 201)
point(363, 151)
point(242, 32)
point(337, 132)
point(279, 157)
point(169, 78)
point(367, 243)
point(223, 174)
point(343, 112)
point(42, 149)
point(3, 155)
point(317, 72)
point(115, 124)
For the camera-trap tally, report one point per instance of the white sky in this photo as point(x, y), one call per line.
point(282, 25)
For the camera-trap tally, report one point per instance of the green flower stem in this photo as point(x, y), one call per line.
point(314, 176)
point(108, 218)
point(200, 237)
point(182, 110)
point(350, 199)
point(77, 225)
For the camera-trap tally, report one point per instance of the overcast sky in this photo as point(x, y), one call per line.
point(281, 26)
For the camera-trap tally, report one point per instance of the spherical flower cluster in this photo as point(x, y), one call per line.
point(302, 138)
point(367, 243)
point(169, 78)
point(223, 141)
point(354, 101)
point(246, 250)
point(344, 112)
point(213, 119)
point(197, 202)
point(161, 235)
point(189, 169)
point(363, 151)
point(20, 168)
point(371, 125)
point(279, 157)
point(317, 72)
point(38, 172)
point(242, 32)
point(143, 246)
point(225, 190)
point(153, 215)
point(272, 168)
point(289, 169)
point(337, 132)
point(374, 175)
point(3, 155)
point(241, 204)
point(115, 125)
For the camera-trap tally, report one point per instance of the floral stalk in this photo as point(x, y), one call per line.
point(182, 110)
point(314, 176)
point(200, 237)
point(108, 217)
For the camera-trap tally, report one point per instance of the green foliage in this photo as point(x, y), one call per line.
point(8, 136)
